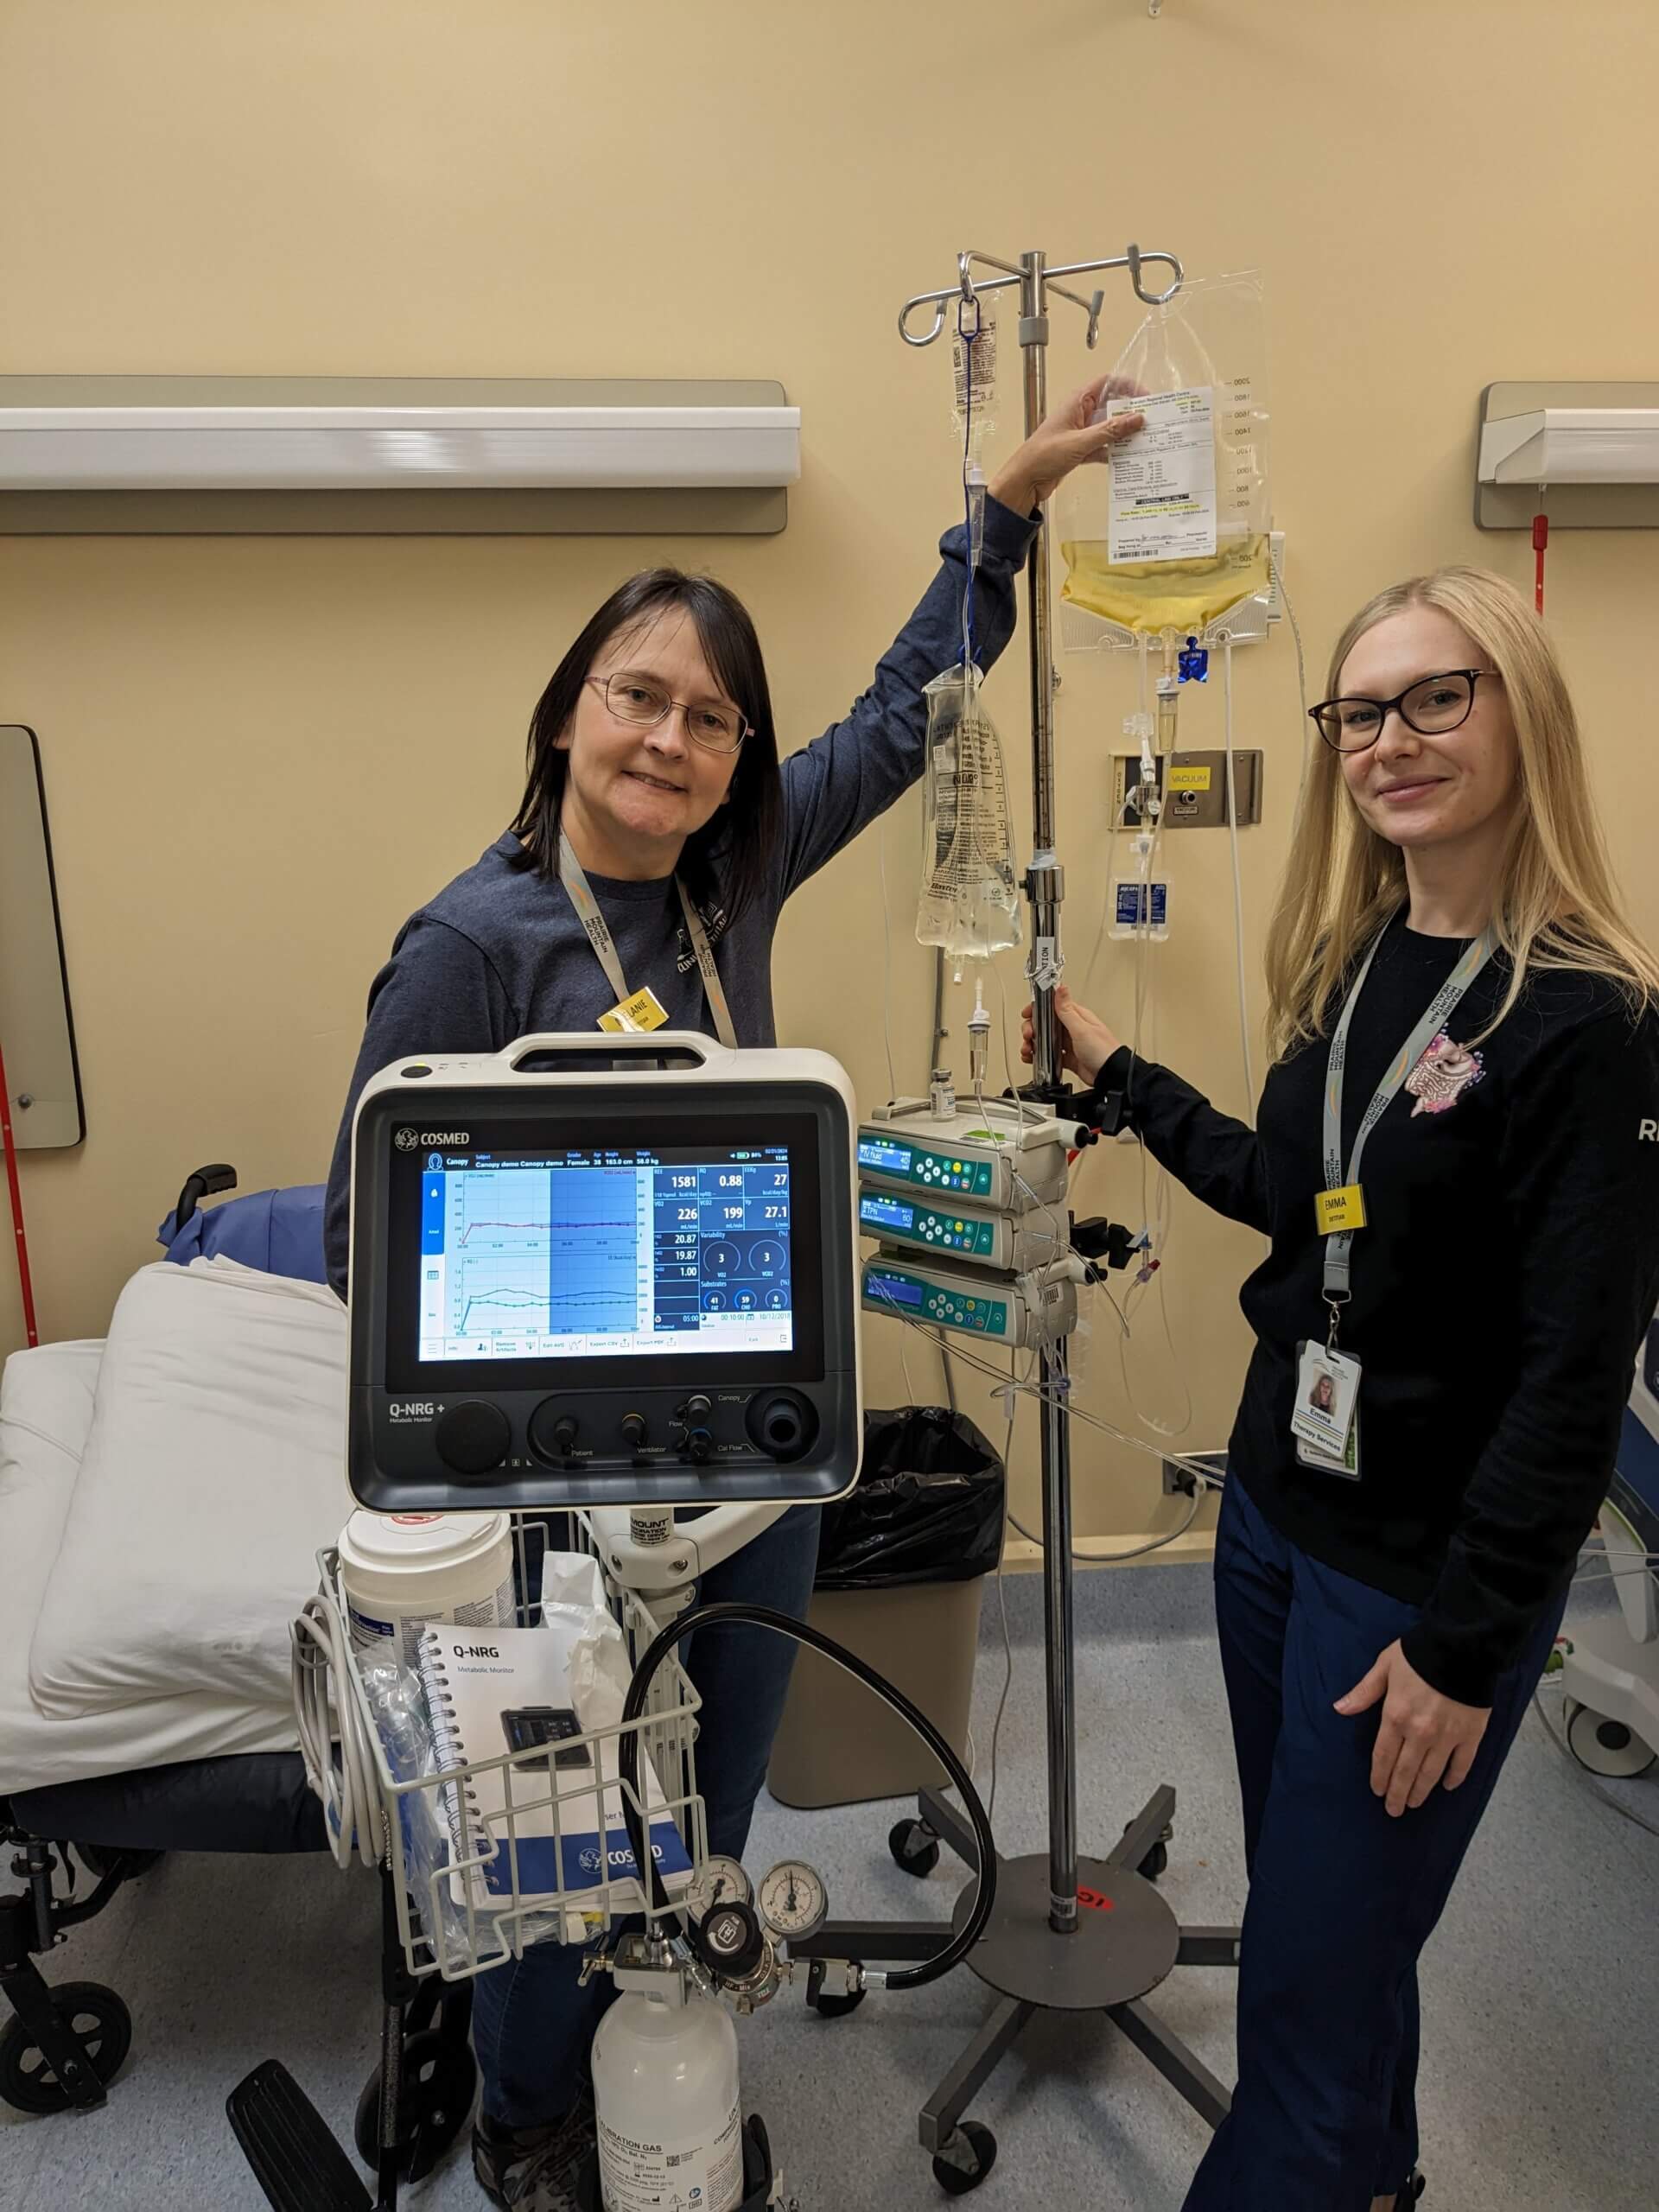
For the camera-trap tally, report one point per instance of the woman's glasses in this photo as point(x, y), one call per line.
point(1431, 706)
point(635, 699)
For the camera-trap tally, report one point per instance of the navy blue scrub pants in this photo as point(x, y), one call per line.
point(1342, 1897)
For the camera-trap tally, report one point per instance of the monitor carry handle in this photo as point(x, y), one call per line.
point(676, 1049)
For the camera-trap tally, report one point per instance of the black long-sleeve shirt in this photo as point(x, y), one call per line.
point(1500, 1290)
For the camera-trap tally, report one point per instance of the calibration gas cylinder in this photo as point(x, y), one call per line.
point(665, 2096)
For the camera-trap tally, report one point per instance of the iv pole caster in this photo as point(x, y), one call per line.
point(966, 2159)
point(914, 1846)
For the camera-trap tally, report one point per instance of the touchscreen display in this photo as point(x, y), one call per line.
point(602, 1252)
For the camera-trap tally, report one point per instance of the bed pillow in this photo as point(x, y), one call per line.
point(213, 1472)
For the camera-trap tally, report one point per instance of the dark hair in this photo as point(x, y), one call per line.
point(729, 857)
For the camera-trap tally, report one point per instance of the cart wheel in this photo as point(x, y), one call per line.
point(966, 2159)
point(439, 2078)
point(99, 1861)
point(1607, 1746)
point(1156, 1861)
point(98, 2019)
point(914, 1846)
point(837, 2008)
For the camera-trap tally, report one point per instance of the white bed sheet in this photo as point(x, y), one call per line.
point(46, 1411)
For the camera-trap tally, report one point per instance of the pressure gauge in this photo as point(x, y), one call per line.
point(794, 1903)
point(719, 1881)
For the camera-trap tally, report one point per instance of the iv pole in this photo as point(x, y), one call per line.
point(1046, 890)
point(1066, 1933)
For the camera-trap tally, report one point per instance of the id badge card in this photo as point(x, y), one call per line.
point(1327, 1396)
point(643, 1011)
point(1344, 1464)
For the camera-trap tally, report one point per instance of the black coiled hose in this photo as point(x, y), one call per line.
point(763, 1616)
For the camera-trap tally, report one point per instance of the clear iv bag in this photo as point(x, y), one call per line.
point(1173, 533)
point(970, 903)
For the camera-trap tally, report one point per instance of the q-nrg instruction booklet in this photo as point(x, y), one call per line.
point(492, 1692)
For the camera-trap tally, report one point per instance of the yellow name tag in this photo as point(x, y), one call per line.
point(642, 1011)
point(1187, 780)
point(1342, 1208)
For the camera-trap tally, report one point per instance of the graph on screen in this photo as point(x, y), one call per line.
point(553, 1252)
point(601, 1253)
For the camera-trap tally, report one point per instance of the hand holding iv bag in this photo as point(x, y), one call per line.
point(1174, 531)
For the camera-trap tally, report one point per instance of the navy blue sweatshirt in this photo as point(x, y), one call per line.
point(1508, 1271)
point(499, 953)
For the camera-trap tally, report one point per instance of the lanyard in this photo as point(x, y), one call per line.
point(580, 895)
point(1338, 1246)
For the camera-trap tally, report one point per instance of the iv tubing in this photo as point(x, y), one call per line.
point(1238, 888)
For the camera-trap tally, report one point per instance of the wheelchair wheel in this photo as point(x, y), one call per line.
point(103, 2026)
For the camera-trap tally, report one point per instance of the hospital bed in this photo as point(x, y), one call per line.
point(110, 1754)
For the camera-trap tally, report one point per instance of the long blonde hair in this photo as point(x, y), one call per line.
point(1555, 906)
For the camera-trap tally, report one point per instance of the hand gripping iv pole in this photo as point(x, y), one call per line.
point(1067, 1933)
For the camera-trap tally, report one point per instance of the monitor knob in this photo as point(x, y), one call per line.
point(473, 1436)
point(552, 1433)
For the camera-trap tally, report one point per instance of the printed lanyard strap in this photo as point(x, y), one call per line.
point(1338, 1247)
point(580, 895)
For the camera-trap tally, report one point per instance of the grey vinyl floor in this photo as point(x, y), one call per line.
point(1539, 2086)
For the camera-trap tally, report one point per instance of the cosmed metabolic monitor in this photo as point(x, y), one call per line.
point(593, 1270)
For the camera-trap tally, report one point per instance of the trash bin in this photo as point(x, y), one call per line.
point(901, 1573)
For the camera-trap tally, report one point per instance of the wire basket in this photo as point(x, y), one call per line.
point(461, 1908)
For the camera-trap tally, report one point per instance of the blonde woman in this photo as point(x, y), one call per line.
point(1454, 1162)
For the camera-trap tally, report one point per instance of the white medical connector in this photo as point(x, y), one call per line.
point(979, 1040)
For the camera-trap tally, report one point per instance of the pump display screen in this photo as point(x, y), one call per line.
point(604, 1252)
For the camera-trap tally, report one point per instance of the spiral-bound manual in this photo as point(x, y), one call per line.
point(499, 1700)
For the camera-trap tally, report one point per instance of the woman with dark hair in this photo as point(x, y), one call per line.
point(657, 840)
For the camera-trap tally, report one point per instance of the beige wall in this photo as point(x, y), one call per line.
point(260, 755)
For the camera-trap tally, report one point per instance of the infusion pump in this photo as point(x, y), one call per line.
point(968, 1211)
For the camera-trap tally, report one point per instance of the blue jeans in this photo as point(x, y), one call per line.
point(1342, 1899)
point(532, 2027)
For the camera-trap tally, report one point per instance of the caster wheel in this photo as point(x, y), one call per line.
point(836, 2008)
point(104, 2027)
point(1156, 1861)
point(915, 1848)
point(129, 1864)
point(966, 2159)
point(439, 2078)
point(1606, 1747)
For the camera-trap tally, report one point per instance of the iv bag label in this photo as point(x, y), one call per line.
point(652, 2175)
point(1164, 479)
point(1133, 905)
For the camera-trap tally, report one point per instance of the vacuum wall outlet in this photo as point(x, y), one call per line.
point(1194, 788)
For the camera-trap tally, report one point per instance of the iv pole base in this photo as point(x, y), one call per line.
point(1126, 1942)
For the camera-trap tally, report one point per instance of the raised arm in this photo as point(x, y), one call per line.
point(835, 786)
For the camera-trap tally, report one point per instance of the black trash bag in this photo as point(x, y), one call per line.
point(928, 1507)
